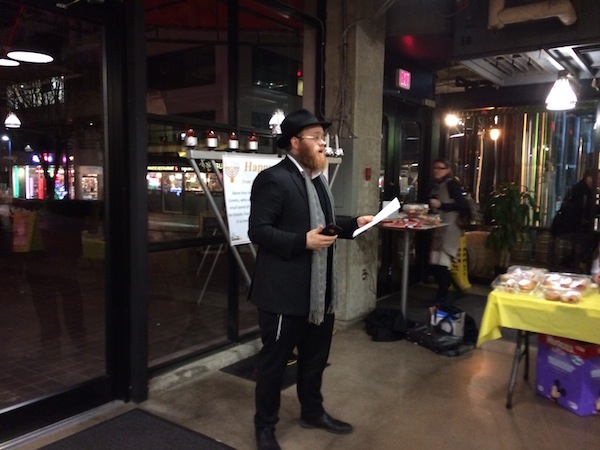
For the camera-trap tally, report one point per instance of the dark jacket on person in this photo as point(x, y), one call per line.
point(279, 221)
point(576, 211)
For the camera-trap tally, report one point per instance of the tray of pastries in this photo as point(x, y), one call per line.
point(564, 287)
point(520, 279)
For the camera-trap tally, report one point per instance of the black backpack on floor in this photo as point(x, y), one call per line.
point(385, 324)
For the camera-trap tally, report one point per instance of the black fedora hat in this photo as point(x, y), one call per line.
point(294, 123)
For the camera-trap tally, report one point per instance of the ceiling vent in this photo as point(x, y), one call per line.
point(498, 15)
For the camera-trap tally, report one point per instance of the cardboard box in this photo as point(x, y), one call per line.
point(568, 373)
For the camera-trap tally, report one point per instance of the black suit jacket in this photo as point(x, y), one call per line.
point(279, 221)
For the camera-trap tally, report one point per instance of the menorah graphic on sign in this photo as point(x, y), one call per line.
point(231, 172)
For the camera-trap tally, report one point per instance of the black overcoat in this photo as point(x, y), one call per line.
point(278, 223)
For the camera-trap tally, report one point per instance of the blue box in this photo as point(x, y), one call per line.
point(568, 373)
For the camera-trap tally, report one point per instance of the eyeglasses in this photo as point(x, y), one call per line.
point(314, 138)
point(439, 168)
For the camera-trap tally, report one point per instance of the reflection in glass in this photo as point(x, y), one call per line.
point(187, 54)
point(52, 306)
point(188, 310)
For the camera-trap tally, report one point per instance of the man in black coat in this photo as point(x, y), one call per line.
point(294, 284)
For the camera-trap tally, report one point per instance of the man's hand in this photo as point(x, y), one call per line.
point(316, 241)
point(363, 220)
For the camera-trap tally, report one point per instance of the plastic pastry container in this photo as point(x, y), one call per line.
point(519, 279)
point(415, 209)
point(534, 273)
point(565, 287)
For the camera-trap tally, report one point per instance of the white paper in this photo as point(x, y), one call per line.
point(387, 211)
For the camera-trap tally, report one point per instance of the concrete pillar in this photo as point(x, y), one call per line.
point(354, 58)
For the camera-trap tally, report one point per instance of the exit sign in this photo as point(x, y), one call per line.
point(402, 79)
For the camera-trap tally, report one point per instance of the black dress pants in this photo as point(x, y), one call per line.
point(280, 334)
point(443, 278)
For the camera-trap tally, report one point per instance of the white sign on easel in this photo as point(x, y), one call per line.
point(239, 172)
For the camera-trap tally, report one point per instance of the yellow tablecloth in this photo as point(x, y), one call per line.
point(580, 321)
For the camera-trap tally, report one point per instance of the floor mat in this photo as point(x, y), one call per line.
point(246, 368)
point(137, 429)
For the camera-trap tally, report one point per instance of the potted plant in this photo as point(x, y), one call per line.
point(510, 209)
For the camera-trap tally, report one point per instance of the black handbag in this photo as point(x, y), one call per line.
point(436, 339)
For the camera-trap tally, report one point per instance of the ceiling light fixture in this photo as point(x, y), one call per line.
point(275, 122)
point(494, 133)
point(495, 130)
point(5, 62)
point(451, 120)
point(12, 121)
point(30, 56)
point(562, 96)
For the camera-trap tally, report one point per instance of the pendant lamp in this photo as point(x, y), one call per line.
point(30, 56)
point(12, 121)
point(562, 97)
point(6, 62)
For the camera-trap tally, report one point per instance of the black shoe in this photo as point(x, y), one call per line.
point(328, 423)
point(265, 439)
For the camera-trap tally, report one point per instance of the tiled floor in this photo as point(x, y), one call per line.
point(397, 395)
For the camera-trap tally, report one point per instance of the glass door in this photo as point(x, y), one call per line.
point(52, 247)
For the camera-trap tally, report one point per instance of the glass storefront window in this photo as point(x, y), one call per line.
point(188, 301)
point(188, 54)
point(52, 313)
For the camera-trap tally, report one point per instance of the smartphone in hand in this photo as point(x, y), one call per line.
point(332, 230)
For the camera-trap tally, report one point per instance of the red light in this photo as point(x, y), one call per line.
point(299, 74)
point(408, 41)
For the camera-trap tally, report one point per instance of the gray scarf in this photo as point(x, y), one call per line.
point(318, 275)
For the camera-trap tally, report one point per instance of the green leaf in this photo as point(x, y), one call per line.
point(510, 209)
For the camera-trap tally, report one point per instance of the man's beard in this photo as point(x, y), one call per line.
point(315, 162)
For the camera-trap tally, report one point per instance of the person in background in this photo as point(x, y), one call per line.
point(446, 198)
point(294, 285)
point(595, 266)
point(575, 223)
point(596, 270)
